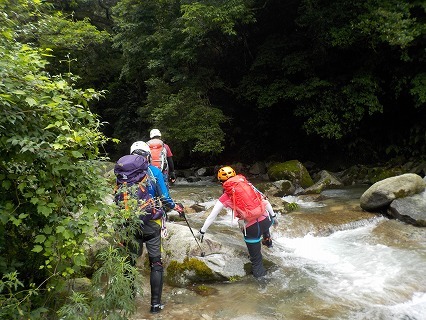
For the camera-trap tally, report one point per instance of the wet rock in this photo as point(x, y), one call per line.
point(193, 179)
point(410, 209)
point(278, 188)
point(198, 207)
point(188, 261)
point(190, 270)
point(201, 171)
point(326, 180)
point(278, 204)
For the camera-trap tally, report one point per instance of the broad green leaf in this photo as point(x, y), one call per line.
point(6, 184)
point(40, 238)
point(31, 101)
point(77, 154)
point(37, 248)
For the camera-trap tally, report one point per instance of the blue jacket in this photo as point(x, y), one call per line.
point(157, 187)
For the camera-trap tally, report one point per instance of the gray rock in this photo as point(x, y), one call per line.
point(279, 188)
point(325, 180)
point(201, 172)
point(382, 193)
point(258, 168)
point(224, 255)
point(410, 209)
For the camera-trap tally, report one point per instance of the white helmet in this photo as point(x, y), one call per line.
point(154, 133)
point(140, 145)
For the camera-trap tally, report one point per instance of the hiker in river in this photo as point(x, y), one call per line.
point(162, 156)
point(152, 229)
point(253, 210)
point(161, 192)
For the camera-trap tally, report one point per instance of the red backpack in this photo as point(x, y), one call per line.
point(247, 203)
point(158, 153)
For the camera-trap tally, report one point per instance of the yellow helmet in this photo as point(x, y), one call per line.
point(225, 173)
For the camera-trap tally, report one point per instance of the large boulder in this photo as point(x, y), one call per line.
point(381, 194)
point(219, 257)
point(293, 171)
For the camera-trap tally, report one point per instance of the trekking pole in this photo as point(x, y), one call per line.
point(202, 252)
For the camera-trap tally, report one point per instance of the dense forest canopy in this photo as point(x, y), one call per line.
point(299, 78)
point(224, 80)
point(313, 80)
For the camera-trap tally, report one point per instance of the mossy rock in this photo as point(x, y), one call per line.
point(190, 271)
point(293, 171)
point(204, 290)
point(287, 187)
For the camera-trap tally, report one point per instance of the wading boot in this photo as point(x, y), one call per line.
point(267, 242)
point(156, 281)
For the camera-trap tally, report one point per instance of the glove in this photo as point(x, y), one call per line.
point(200, 235)
point(179, 208)
point(172, 177)
point(241, 225)
point(274, 221)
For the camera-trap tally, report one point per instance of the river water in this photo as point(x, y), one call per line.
point(330, 261)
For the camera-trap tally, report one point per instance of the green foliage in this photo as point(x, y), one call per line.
point(333, 112)
point(418, 89)
point(112, 292)
point(389, 22)
point(172, 57)
point(58, 32)
point(79, 46)
point(77, 308)
point(201, 18)
point(332, 69)
point(292, 206)
point(52, 193)
point(198, 123)
point(414, 145)
point(115, 284)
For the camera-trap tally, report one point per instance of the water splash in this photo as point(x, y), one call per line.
point(372, 280)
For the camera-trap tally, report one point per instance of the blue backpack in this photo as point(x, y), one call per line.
point(133, 179)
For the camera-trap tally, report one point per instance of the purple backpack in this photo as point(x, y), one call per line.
point(133, 182)
point(131, 169)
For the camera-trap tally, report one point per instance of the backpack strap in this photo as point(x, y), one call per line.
point(233, 208)
point(143, 188)
point(125, 196)
point(154, 183)
point(151, 175)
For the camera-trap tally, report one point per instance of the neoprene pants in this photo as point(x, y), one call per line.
point(151, 235)
point(253, 239)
